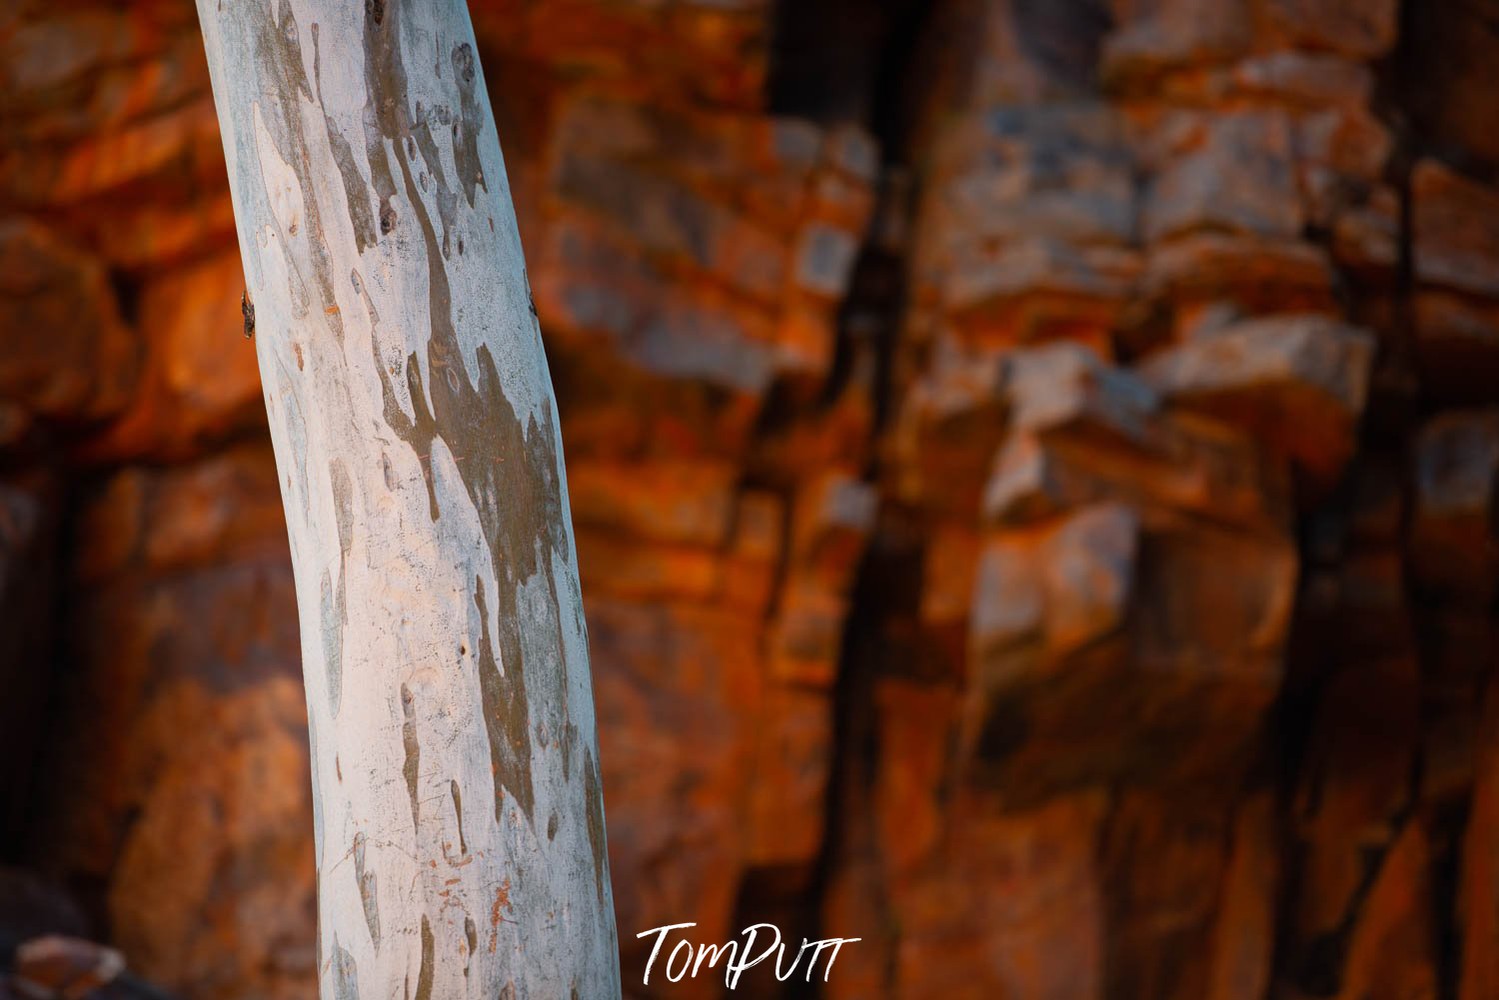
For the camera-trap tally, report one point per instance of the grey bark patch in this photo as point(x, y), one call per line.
point(458, 813)
point(296, 429)
point(343, 504)
point(336, 613)
point(505, 719)
point(424, 975)
point(364, 297)
point(332, 615)
point(447, 201)
point(380, 45)
point(471, 935)
point(411, 767)
point(355, 192)
point(345, 973)
point(418, 431)
point(593, 803)
point(470, 122)
point(368, 890)
point(447, 211)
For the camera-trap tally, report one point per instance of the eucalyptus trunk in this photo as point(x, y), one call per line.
point(458, 814)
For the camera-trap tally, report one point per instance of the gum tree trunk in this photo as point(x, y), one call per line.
point(459, 820)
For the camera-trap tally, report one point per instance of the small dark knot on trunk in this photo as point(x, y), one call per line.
point(463, 62)
point(247, 309)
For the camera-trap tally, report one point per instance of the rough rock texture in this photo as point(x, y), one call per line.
point(1034, 469)
point(179, 795)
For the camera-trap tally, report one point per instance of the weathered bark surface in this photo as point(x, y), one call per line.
point(459, 818)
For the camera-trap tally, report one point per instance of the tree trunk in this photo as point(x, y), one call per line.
point(459, 820)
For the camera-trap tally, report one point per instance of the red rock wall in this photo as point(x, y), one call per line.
point(1034, 470)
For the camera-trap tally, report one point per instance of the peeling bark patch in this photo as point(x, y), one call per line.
point(343, 505)
point(593, 803)
point(368, 890)
point(447, 201)
point(424, 975)
point(447, 212)
point(379, 44)
point(364, 296)
point(470, 121)
point(505, 712)
point(279, 48)
point(335, 614)
point(355, 188)
point(552, 827)
point(509, 467)
point(458, 814)
point(411, 768)
point(419, 431)
point(296, 429)
point(360, 216)
point(345, 973)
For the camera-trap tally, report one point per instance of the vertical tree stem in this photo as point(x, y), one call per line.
point(459, 819)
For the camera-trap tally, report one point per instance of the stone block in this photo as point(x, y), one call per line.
point(1231, 172)
point(1296, 383)
point(1456, 237)
point(1362, 29)
point(1104, 648)
point(1068, 388)
point(68, 355)
point(1452, 543)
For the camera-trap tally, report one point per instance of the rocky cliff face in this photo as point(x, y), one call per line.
point(1034, 470)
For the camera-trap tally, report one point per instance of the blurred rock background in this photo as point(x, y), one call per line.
point(1034, 467)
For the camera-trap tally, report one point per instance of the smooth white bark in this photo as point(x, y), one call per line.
point(459, 819)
